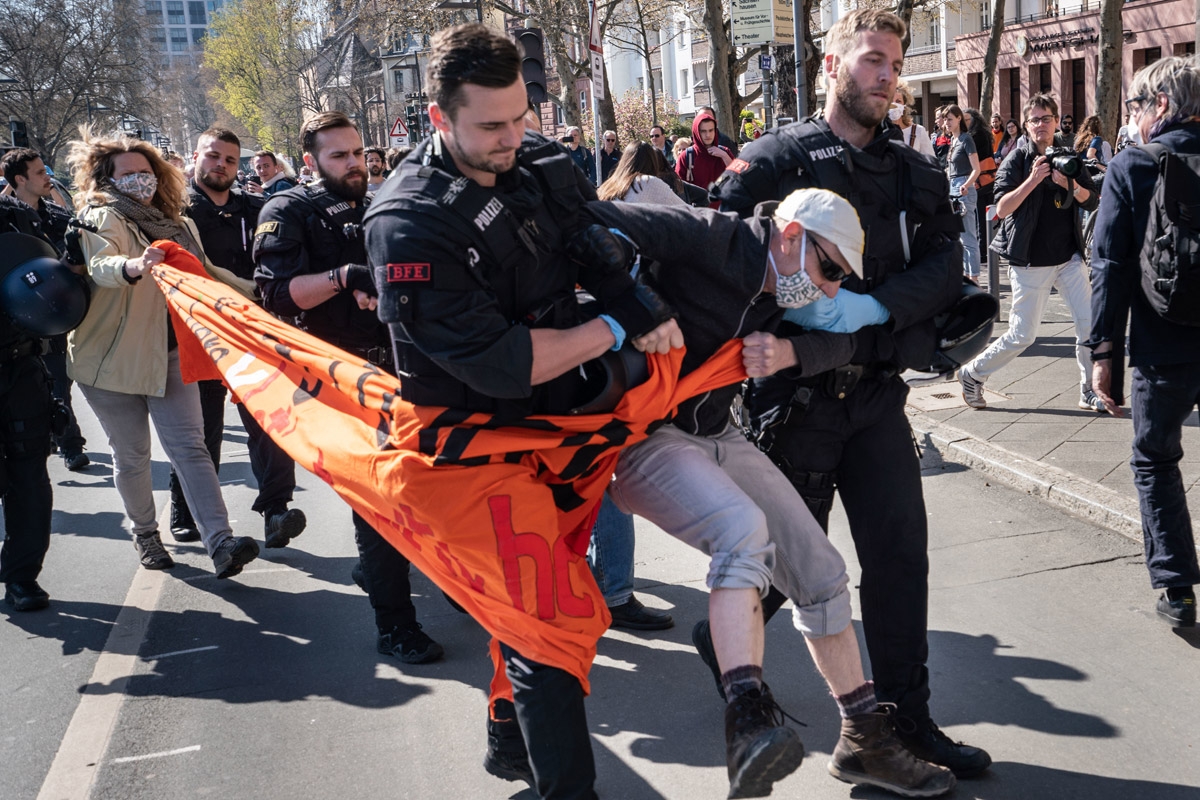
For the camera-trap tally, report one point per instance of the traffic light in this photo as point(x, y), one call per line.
point(533, 64)
point(414, 124)
point(20, 137)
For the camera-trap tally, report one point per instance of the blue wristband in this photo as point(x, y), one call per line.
point(617, 331)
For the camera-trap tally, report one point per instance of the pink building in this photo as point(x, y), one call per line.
point(1054, 49)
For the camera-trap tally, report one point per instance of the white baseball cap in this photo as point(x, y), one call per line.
point(830, 216)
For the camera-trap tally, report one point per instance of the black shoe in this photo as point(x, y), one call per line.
point(233, 554)
point(507, 756)
point(1180, 612)
point(358, 576)
point(927, 742)
point(183, 527)
point(76, 461)
point(411, 645)
point(26, 596)
point(702, 640)
point(283, 526)
point(760, 748)
point(633, 615)
point(151, 553)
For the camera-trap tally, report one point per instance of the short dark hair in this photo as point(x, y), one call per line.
point(16, 162)
point(326, 120)
point(660, 128)
point(1039, 101)
point(267, 154)
point(397, 154)
point(469, 54)
point(222, 135)
point(377, 151)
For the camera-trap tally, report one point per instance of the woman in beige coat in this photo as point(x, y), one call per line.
point(124, 355)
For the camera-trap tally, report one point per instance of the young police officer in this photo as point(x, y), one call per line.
point(310, 255)
point(844, 404)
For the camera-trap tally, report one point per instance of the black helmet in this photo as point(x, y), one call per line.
point(965, 330)
point(37, 292)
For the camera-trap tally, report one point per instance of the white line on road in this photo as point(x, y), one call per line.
point(127, 759)
point(180, 652)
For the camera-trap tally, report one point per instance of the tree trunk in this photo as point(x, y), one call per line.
point(720, 50)
point(1108, 87)
point(904, 10)
point(556, 44)
point(989, 60)
point(812, 67)
point(785, 81)
point(608, 115)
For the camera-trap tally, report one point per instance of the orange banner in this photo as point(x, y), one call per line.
point(498, 516)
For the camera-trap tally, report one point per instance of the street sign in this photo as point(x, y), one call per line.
point(764, 63)
point(761, 22)
point(596, 48)
point(399, 129)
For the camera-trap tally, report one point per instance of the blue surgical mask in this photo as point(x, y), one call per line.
point(796, 290)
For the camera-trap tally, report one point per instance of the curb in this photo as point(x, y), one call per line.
point(1078, 496)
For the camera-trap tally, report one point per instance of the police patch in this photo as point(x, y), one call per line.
point(404, 273)
point(738, 166)
point(266, 227)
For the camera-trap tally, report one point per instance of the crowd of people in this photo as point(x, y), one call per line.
point(497, 274)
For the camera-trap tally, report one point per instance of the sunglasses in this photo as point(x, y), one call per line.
point(830, 270)
point(656, 136)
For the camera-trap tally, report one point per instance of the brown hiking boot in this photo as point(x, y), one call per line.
point(869, 753)
point(760, 748)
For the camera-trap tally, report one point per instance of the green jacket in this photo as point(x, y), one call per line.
point(121, 345)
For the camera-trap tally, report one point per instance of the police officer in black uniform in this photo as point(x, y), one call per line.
point(311, 265)
point(841, 410)
point(226, 218)
point(468, 239)
point(25, 428)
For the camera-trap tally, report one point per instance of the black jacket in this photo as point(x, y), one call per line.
point(880, 180)
point(1116, 259)
point(1018, 229)
point(227, 232)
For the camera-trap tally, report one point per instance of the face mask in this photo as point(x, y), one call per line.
point(798, 290)
point(1135, 134)
point(138, 185)
point(896, 112)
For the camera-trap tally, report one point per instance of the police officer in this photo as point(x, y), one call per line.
point(468, 238)
point(225, 218)
point(844, 425)
point(25, 435)
point(310, 259)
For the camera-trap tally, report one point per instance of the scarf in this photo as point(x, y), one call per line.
point(154, 224)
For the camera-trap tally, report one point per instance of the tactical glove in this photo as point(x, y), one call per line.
point(359, 276)
point(605, 257)
point(638, 310)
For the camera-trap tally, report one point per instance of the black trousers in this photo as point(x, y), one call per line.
point(24, 479)
point(862, 446)
point(71, 441)
point(385, 573)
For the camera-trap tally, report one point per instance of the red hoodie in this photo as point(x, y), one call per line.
point(696, 165)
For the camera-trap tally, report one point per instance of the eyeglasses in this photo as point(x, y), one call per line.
point(830, 270)
point(1046, 120)
point(610, 140)
point(1134, 105)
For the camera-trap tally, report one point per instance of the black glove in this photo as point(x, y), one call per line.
point(359, 276)
point(74, 251)
point(638, 310)
point(605, 257)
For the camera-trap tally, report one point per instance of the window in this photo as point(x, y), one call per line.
point(198, 35)
point(559, 118)
point(685, 85)
point(398, 81)
point(985, 15)
point(175, 12)
point(213, 6)
point(154, 11)
point(1153, 54)
point(583, 102)
point(159, 37)
point(179, 40)
point(196, 12)
point(683, 35)
point(1014, 93)
point(641, 84)
point(935, 31)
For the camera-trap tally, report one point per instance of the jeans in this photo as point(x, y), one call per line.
point(178, 421)
point(722, 496)
point(970, 234)
point(610, 553)
point(1162, 398)
point(1031, 289)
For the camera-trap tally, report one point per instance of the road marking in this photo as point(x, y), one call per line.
point(76, 764)
point(127, 759)
point(180, 652)
point(213, 577)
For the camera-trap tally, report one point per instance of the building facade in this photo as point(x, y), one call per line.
point(176, 28)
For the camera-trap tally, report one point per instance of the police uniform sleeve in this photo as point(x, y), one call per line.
point(752, 177)
point(279, 253)
point(439, 305)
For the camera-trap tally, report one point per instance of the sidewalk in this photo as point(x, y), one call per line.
point(1032, 435)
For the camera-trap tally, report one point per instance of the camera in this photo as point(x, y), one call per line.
point(567, 139)
point(958, 206)
point(1065, 160)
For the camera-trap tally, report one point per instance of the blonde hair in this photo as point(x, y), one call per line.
point(681, 144)
point(91, 161)
point(909, 101)
point(842, 37)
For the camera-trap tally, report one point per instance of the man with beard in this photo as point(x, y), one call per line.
point(840, 407)
point(311, 265)
point(376, 168)
point(226, 218)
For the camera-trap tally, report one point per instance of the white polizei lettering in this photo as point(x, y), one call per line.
point(489, 213)
point(236, 379)
point(824, 152)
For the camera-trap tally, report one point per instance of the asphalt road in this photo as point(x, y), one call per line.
point(136, 684)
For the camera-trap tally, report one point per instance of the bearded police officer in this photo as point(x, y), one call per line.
point(311, 258)
point(842, 404)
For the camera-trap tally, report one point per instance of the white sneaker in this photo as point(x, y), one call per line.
point(972, 390)
point(1089, 402)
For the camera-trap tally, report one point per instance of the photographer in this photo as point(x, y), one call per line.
point(582, 157)
point(1039, 189)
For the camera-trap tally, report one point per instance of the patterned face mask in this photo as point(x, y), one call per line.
point(798, 290)
point(138, 185)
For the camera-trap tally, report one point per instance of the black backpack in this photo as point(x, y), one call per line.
point(1170, 257)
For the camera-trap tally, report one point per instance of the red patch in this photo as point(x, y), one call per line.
point(401, 273)
point(738, 166)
